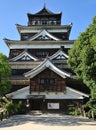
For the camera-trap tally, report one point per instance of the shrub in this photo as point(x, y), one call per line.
point(73, 111)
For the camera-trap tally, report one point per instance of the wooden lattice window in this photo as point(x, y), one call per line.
point(47, 81)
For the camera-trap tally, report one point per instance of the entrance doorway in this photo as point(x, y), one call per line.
point(36, 104)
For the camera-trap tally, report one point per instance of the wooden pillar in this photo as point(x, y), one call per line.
point(43, 106)
point(82, 110)
point(27, 105)
point(92, 113)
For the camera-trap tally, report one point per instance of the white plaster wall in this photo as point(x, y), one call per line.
point(40, 46)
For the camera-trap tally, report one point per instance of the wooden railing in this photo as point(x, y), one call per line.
point(20, 82)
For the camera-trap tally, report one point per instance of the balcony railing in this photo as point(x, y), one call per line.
point(20, 82)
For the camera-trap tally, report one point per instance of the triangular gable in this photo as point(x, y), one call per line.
point(24, 56)
point(59, 55)
point(44, 35)
point(46, 64)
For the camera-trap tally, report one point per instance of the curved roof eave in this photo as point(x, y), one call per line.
point(38, 42)
point(44, 10)
point(22, 28)
point(46, 64)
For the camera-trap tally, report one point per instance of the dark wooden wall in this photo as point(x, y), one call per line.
point(40, 53)
point(58, 86)
point(15, 52)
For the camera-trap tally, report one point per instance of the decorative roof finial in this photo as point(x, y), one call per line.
point(44, 5)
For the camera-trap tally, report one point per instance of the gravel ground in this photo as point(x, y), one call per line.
point(47, 122)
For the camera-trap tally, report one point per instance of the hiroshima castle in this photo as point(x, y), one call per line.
point(40, 77)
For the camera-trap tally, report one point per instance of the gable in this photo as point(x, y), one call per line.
point(59, 55)
point(46, 64)
point(24, 56)
point(43, 82)
point(43, 35)
point(45, 75)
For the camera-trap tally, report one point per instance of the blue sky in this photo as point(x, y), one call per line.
point(79, 12)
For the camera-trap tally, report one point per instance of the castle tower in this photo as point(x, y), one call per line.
point(40, 74)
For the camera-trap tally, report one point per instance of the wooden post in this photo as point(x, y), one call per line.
point(84, 113)
point(81, 109)
point(1, 116)
point(27, 105)
point(92, 115)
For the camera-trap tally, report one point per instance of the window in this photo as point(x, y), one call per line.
point(42, 81)
point(52, 81)
point(46, 81)
point(44, 22)
point(41, 53)
point(24, 37)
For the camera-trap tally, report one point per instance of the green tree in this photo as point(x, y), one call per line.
point(5, 73)
point(82, 60)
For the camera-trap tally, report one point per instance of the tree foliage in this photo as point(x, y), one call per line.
point(5, 73)
point(82, 59)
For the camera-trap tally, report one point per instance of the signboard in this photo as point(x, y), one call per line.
point(53, 105)
point(36, 96)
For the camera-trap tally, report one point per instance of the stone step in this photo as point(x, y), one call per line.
point(35, 112)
